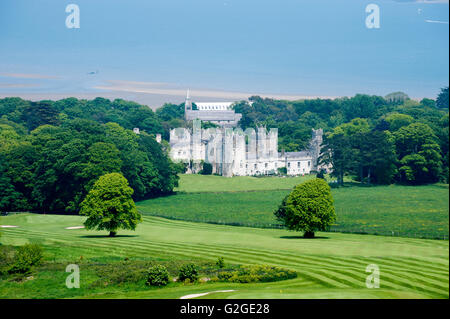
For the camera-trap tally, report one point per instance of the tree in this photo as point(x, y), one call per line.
point(442, 99)
point(341, 150)
point(397, 120)
point(309, 208)
point(109, 205)
point(419, 154)
point(39, 113)
point(376, 158)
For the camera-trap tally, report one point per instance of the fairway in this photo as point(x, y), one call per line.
point(331, 266)
point(394, 210)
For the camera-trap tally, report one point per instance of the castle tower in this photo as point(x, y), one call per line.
point(187, 104)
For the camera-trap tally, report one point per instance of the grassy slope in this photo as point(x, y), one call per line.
point(420, 211)
point(192, 183)
point(328, 267)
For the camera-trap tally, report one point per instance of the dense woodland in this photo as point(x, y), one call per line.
point(52, 152)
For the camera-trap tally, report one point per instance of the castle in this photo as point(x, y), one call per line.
point(219, 113)
point(233, 152)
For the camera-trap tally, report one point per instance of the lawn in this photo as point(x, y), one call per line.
point(193, 183)
point(331, 266)
point(410, 211)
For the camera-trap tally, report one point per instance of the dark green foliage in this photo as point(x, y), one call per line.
point(40, 113)
point(309, 208)
point(207, 169)
point(53, 167)
point(256, 273)
point(26, 257)
point(188, 271)
point(442, 99)
point(220, 262)
point(321, 174)
point(157, 276)
point(7, 254)
point(419, 154)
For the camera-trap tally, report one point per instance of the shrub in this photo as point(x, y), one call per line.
point(207, 169)
point(157, 276)
point(257, 273)
point(220, 263)
point(7, 254)
point(188, 271)
point(26, 257)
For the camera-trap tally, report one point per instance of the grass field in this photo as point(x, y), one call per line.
point(193, 183)
point(419, 211)
point(331, 266)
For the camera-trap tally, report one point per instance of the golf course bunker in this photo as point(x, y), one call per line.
point(203, 294)
point(8, 226)
point(75, 227)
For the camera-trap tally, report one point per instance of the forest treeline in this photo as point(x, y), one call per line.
point(51, 152)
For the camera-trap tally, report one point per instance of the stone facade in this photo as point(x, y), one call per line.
point(233, 152)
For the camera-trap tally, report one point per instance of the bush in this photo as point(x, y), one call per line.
point(257, 273)
point(26, 257)
point(7, 254)
point(207, 169)
point(220, 263)
point(188, 271)
point(157, 276)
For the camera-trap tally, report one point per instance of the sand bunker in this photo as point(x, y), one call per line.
point(203, 294)
point(8, 226)
point(75, 227)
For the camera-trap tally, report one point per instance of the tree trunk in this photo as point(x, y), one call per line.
point(309, 234)
point(112, 234)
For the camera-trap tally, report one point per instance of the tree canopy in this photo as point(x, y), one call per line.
point(109, 205)
point(308, 208)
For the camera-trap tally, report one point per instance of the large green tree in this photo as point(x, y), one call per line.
point(419, 154)
point(442, 99)
point(109, 205)
point(308, 208)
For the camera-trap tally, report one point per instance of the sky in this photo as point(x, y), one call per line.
point(153, 51)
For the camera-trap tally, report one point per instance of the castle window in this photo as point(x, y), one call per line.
point(309, 163)
point(256, 166)
point(289, 164)
point(265, 165)
point(298, 164)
